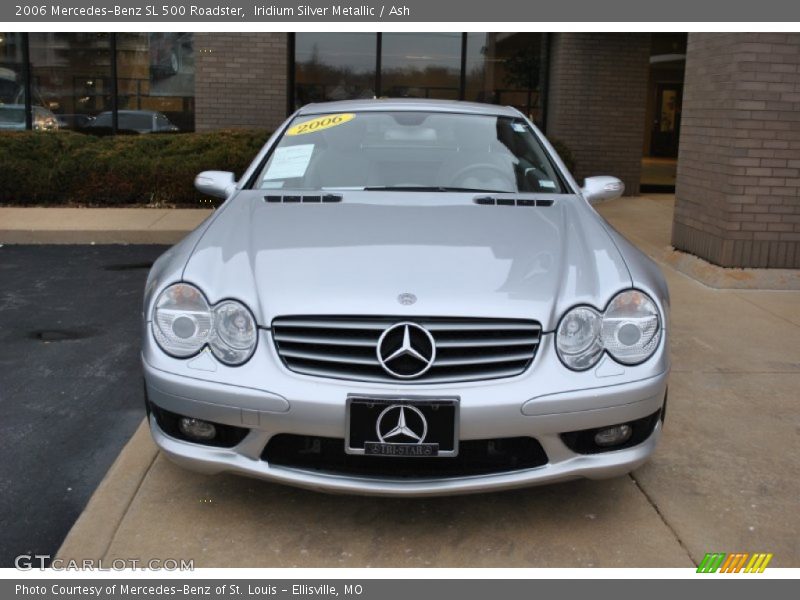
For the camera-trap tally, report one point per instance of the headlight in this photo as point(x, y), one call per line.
point(183, 323)
point(578, 338)
point(631, 327)
point(629, 330)
point(182, 320)
point(234, 337)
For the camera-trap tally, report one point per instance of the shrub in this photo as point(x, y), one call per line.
point(70, 168)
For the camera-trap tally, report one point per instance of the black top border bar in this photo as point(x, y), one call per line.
point(445, 11)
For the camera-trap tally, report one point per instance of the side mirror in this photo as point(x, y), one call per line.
point(598, 189)
point(219, 184)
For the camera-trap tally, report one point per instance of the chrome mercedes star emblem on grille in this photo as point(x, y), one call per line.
point(409, 422)
point(406, 350)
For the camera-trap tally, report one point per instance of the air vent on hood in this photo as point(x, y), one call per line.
point(492, 201)
point(296, 199)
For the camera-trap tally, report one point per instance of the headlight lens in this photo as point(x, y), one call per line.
point(183, 323)
point(631, 327)
point(629, 330)
point(182, 320)
point(578, 338)
point(234, 337)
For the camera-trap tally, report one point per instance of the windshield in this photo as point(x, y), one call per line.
point(407, 151)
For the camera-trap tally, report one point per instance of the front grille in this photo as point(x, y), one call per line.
point(466, 349)
point(475, 457)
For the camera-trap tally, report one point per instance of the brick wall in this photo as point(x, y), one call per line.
point(240, 80)
point(738, 184)
point(596, 101)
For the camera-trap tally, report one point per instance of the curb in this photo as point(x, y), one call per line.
point(723, 278)
point(93, 532)
point(66, 225)
point(11, 237)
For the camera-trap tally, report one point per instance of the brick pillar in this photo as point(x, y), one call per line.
point(240, 80)
point(596, 102)
point(738, 186)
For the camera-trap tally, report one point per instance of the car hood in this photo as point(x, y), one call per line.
point(355, 257)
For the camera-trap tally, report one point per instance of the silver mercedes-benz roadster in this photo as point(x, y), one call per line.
point(406, 297)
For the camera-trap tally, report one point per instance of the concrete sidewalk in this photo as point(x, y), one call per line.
point(723, 479)
point(97, 225)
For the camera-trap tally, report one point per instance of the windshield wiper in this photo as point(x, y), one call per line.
point(430, 188)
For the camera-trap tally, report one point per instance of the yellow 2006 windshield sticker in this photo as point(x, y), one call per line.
point(320, 123)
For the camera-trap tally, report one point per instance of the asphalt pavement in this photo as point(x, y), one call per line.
point(70, 382)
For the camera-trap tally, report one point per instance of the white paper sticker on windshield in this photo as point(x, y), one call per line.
point(289, 162)
point(546, 183)
point(519, 127)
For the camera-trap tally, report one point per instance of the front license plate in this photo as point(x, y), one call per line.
point(402, 426)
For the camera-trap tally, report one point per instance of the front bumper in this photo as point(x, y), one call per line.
point(308, 406)
point(215, 460)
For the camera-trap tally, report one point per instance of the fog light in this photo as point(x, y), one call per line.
point(197, 429)
point(613, 436)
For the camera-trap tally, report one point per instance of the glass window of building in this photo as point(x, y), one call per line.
point(155, 81)
point(334, 66)
point(12, 82)
point(506, 68)
point(71, 76)
point(421, 65)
